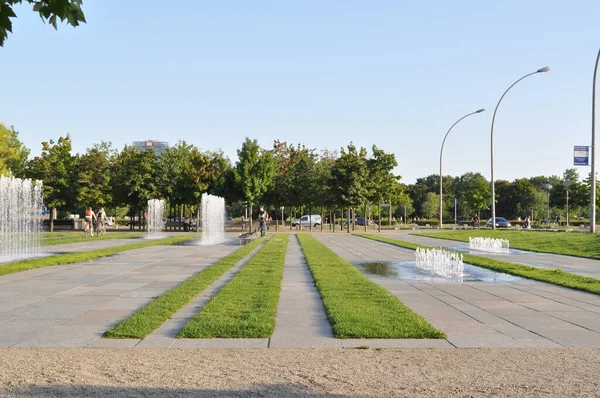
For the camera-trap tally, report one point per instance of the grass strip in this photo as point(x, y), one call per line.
point(150, 317)
point(70, 258)
point(60, 238)
point(247, 305)
point(357, 307)
point(575, 244)
point(554, 276)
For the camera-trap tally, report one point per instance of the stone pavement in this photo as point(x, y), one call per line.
point(522, 313)
point(575, 265)
point(91, 244)
point(72, 305)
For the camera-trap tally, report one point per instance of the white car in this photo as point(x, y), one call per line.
point(307, 221)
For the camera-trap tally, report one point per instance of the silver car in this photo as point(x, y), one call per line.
point(500, 222)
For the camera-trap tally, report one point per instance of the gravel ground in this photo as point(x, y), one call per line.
point(299, 373)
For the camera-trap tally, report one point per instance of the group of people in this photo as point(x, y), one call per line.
point(92, 218)
point(190, 223)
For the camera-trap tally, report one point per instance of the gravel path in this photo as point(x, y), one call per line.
point(299, 373)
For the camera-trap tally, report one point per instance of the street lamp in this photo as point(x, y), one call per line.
point(567, 184)
point(593, 193)
point(441, 152)
point(548, 187)
point(541, 70)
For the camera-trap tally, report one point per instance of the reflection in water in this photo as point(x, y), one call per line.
point(382, 268)
point(408, 270)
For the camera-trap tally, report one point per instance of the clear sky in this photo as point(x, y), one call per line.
point(392, 73)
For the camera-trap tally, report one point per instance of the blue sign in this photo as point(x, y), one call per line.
point(581, 156)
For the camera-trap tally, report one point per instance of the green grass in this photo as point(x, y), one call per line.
point(556, 277)
point(568, 243)
point(247, 305)
point(59, 238)
point(357, 307)
point(70, 258)
point(150, 317)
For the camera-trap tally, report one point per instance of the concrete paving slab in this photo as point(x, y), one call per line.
point(301, 320)
point(57, 311)
point(113, 343)
point(63, 336)
point(221, 343)
point(395, 343)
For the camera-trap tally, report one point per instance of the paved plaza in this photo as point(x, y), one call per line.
point(73, 305)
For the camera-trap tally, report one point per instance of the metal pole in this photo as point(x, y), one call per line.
point(545, 69)
point(455, 219)
point(593, 193)
point(567, 207)
point(548, 210)
point(441, 153)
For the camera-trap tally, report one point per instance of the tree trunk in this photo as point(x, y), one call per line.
point(52, 212)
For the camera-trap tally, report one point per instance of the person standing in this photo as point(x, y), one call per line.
point(90, 216)
point(263, 217)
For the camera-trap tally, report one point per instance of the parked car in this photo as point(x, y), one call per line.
point(361, 221)
point(306, 221)
point(108, 221)
point(500, 222)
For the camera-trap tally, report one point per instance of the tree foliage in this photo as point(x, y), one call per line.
point(13, 154)
point(50, 11)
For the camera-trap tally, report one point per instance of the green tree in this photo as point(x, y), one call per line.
point(13, 154)
point(134, 178)
point(49, 10)
point(56, 168)
point(349, 177)
point(94, 183)
point(431, 205)
point(255, 170)
point(473, 193)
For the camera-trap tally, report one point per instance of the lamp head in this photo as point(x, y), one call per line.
point(544, 69)
point(480, 110)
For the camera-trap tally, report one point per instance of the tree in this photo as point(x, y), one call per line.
point(473, 193)
point(134, 178)
point(255, 169)
point(49, 10)
point(94, 175)
point(431, 206)
point(13, 154)
point(55, 167)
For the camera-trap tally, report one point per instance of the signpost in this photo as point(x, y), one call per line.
point(581, 155)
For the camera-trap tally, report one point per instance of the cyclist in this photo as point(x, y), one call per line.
point(100, 219)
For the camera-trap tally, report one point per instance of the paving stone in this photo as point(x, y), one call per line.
point(221, 343)
point(113, 343)
point(395, 343)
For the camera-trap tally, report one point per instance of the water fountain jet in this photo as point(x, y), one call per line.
point(20, 218)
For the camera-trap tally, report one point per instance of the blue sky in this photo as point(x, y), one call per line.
point(322, 73)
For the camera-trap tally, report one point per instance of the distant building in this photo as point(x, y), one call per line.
point(157, 146)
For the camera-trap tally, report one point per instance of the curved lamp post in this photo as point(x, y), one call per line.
point(541, 70)
point(441, 152)
point(593, 193)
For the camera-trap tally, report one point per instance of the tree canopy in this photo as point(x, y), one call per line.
point(50, 11)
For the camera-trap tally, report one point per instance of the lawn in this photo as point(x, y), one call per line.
point(70, 258)
point(357, 307)
point(59, 238)
point(568, 243)
point(554, 276)
point(150, 317)
point(246, 307)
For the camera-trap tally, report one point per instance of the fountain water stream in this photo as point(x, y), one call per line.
point(440, 262)
point(20, 218)
point(156, 208)
point(489, 244)
point(212, 219)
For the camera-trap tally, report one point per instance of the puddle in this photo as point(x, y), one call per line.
point(408, 270)
point(504, 252)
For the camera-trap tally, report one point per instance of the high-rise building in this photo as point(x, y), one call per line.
point(157, 146)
